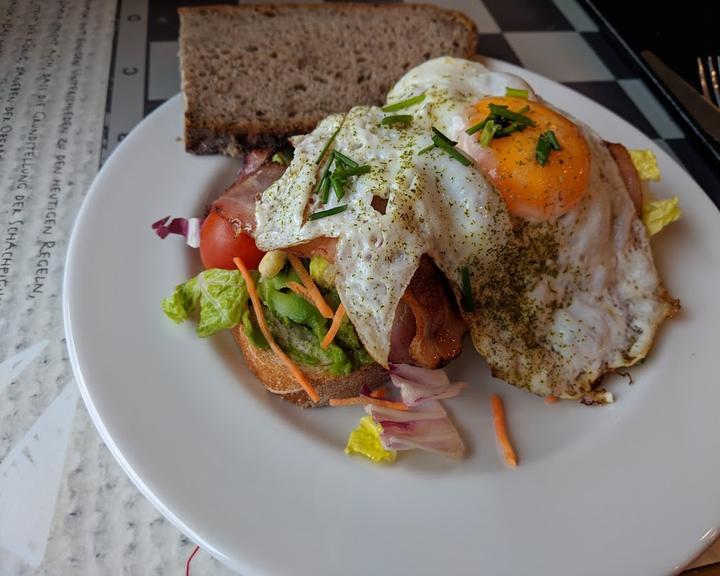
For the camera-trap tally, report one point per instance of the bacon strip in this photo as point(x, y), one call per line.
point(628, 172)
point(237, 203)
point(439, 328)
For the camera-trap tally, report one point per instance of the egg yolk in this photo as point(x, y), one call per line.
point(531, 190)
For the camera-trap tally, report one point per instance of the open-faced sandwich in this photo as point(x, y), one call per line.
point(465, 202)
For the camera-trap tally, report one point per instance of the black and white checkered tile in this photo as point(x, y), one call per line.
point(555, 38)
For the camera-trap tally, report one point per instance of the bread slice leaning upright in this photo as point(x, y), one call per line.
point(254, 75)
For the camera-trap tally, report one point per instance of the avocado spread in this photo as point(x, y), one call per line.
point(298, 327)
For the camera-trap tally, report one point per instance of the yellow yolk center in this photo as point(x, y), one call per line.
point(531, 190)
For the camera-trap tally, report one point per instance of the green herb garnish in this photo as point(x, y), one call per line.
point(342, 173)
point(501, 122)
point(488, 133)
point(441, 136)
point(323, 177)
point(550, 135)
point(477, 127)
point(542, 150)
point(447, 145)
point(337, 186)
point(516, 93)
point(404, 104)
point(328, 144)
point(344, 160)
point(504, 112)
point(427, 149)
point(467, 297)
point(509, 129)
point(335, 176)
point(397, 119)
point(326, 213)
point(325, 189)
point(547, 142)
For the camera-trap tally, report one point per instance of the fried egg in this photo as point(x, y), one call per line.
point(560, 269)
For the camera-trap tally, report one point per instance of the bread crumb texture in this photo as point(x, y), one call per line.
point(253, 75)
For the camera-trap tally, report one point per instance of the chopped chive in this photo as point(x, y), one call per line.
point(404, 104)
point(397, 119)
point(518, 117)
point(477, 127)
point(552, 140)
point(342, 173)
point(340, 157)
point(547, 142)
point(509, 129)
point(337, 186)
point(327, 144)
point(329, 212)
point(523, 109)
point(488, 133)
point(542, 150)
point(442, 137)
point(467, 296)
point(325, 189)
point(427, 149)
point(323, 177)
point(516, 93)
point(450, 149)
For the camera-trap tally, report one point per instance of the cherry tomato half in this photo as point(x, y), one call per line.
point(218, 245)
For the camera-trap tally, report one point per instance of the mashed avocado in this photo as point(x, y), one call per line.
point(298, 327)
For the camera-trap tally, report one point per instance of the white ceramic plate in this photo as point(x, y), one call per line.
point(630, 488)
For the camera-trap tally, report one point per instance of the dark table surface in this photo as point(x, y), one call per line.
point(678, 35)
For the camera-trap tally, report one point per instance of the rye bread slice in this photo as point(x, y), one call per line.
point(254, 75)
point(277, 379)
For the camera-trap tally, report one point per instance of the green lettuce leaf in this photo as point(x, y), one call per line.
point(220, 296)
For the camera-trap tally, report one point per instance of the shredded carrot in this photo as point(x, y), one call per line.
point(301, 291)
point(290, 365)
point(501, 432)
point(334, 327)
point(308, 282)
point(367, 400)
point(378, 393)
point(551, 399)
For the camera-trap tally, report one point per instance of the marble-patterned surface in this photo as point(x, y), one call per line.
point(103, 525)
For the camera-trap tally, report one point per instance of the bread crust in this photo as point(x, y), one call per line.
point(206, 135)
point(277, 379)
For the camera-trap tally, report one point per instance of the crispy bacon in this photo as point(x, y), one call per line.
point(237, 203)
point(428, 328)
point(439, 328)
point(628, 172)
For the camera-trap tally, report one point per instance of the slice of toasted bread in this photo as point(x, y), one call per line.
point(254, 75)
point(278, 380)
